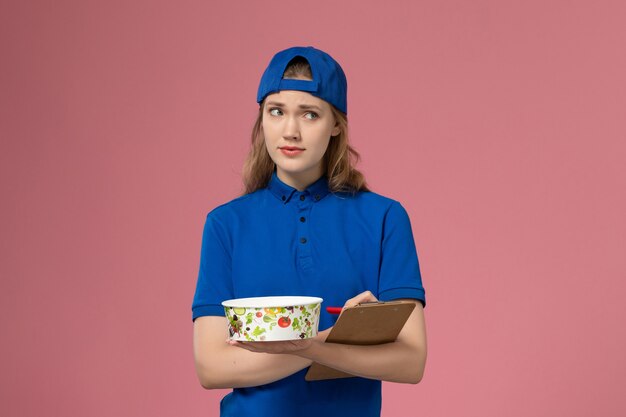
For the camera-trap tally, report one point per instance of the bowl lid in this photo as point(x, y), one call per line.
point(278, 301)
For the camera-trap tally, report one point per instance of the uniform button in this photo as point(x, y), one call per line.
point(302, 219)
point(317, 198)
point(303, 240)
point(302, 197)
point(283, 197)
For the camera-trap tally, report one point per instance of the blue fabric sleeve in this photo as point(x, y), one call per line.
point(214, 283)
point(399, 275)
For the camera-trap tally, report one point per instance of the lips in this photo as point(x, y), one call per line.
point(291, 151)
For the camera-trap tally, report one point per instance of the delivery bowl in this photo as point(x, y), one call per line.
point(267, 319)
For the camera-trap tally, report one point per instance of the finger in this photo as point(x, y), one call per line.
point(241, 345)
point(361, 298)
point(251, 346)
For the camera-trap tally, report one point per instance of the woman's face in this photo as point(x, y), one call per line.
point(296, 119)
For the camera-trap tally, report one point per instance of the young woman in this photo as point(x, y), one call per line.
point(307, 225)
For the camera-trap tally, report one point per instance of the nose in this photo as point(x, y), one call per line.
point(291, 128)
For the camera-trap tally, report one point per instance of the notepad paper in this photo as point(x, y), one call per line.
point(364, 324)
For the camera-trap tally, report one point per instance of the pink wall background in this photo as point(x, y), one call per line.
point(499, 125)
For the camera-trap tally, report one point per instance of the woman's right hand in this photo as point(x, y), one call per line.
point(361, 298)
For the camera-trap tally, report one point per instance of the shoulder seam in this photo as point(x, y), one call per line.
point(242, 197)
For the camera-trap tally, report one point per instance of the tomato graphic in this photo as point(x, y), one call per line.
point(259, 314)
point(284, 321)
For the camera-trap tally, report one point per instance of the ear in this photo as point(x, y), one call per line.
point(336, 130)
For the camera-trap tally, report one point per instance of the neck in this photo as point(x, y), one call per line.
point(299, 181)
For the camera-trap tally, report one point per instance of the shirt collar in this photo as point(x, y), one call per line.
point(317, 190)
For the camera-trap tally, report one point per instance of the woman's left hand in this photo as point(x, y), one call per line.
point(284, 346)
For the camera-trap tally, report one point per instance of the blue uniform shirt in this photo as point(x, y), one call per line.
point(281, 241)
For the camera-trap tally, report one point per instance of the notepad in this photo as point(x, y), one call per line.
point(364, 324)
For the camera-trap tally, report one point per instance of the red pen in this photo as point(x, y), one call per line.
point(334, 310)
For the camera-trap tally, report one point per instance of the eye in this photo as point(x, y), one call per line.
point(312, 115)
point(273, 111)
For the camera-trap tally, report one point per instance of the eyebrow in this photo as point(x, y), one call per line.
point(301, 106)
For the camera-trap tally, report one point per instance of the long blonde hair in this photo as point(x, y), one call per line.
point(339, 160)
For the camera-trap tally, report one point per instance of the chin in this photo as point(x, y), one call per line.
point(295, 168)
